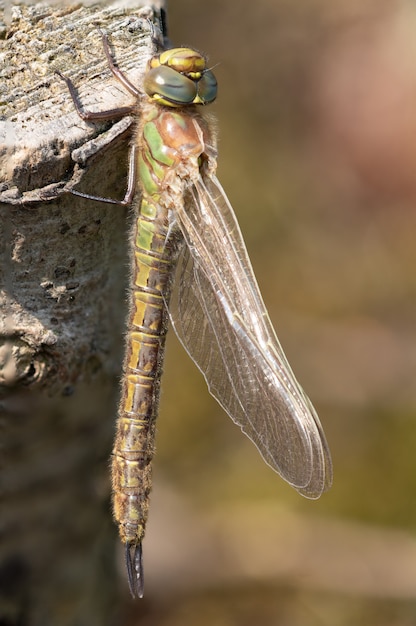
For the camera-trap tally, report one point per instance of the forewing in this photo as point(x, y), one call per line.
point(219, 316)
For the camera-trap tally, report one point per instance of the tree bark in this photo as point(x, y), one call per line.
point(63, 277)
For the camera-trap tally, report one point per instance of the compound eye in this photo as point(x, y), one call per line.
point(207, 87)
point(165, 84)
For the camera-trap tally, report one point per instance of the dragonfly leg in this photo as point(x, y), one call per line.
point(164, 24)
point(131, 184)
point(117, 71)
point(134, 564)
point(159, 32)
point(132, 175)
point(91, 116)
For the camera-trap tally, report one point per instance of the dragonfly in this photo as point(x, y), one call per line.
point(190, 267)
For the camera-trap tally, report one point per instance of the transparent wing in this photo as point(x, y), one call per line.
point(220, 318)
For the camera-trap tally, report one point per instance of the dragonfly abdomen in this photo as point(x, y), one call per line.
point(148, 320)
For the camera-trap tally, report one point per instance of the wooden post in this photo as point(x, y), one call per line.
point(63, 278)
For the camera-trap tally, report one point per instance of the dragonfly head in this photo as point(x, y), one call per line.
point(179, 77)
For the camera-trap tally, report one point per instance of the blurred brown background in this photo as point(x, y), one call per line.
point(317, 126)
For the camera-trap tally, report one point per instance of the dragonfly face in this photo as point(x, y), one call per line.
point(190, 266)
point(179, 77)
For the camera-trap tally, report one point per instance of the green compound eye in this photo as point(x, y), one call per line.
point(168, 86)
point(207, 88)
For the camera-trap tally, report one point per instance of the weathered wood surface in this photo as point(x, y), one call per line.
point(62, 306)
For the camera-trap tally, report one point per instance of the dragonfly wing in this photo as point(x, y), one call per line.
point(219, 316)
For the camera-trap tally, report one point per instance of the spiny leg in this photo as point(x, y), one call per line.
point(91, 116)
point(164, 25)
point(117, 71)
point(131, 184)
